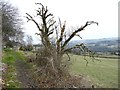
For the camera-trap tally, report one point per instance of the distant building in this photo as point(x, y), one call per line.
point(117, 53)
point(36, 47)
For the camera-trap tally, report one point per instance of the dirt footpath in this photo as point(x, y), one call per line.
point(24, 75)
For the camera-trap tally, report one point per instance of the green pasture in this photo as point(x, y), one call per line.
point(103, 74)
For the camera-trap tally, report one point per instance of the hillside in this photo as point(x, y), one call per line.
point(99, 45)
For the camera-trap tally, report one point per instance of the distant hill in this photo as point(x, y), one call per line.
point(99, 45)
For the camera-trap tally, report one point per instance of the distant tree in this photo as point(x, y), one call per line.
point(29, 39)
point(11, 23)
point(9, 44)
point(27, 46)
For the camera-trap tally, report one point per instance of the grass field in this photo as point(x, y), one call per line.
point(103, 74)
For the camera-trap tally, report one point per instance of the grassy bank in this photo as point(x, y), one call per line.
point(103, 74)
point(9, 57)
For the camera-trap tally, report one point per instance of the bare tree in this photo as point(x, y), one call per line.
point(54, 53)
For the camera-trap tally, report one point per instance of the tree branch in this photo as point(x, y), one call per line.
point(50, 20)
point(74, 47)
point(59, 41)
point(37, 33)
point(50, 33)
point(31, 18)
point(51, 24)
point(75, 32)
point(62, 32)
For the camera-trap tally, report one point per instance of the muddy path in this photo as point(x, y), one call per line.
point(24, 75)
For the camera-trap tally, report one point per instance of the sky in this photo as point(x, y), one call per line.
point(75, 13)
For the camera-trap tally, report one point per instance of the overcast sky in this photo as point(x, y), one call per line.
point(76, 13)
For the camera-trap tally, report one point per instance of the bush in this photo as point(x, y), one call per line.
point(22, 48)
point(29, 47)
point(7, 49)
point(26, 48)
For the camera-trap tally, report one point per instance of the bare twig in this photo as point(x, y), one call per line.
point(51, 24)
